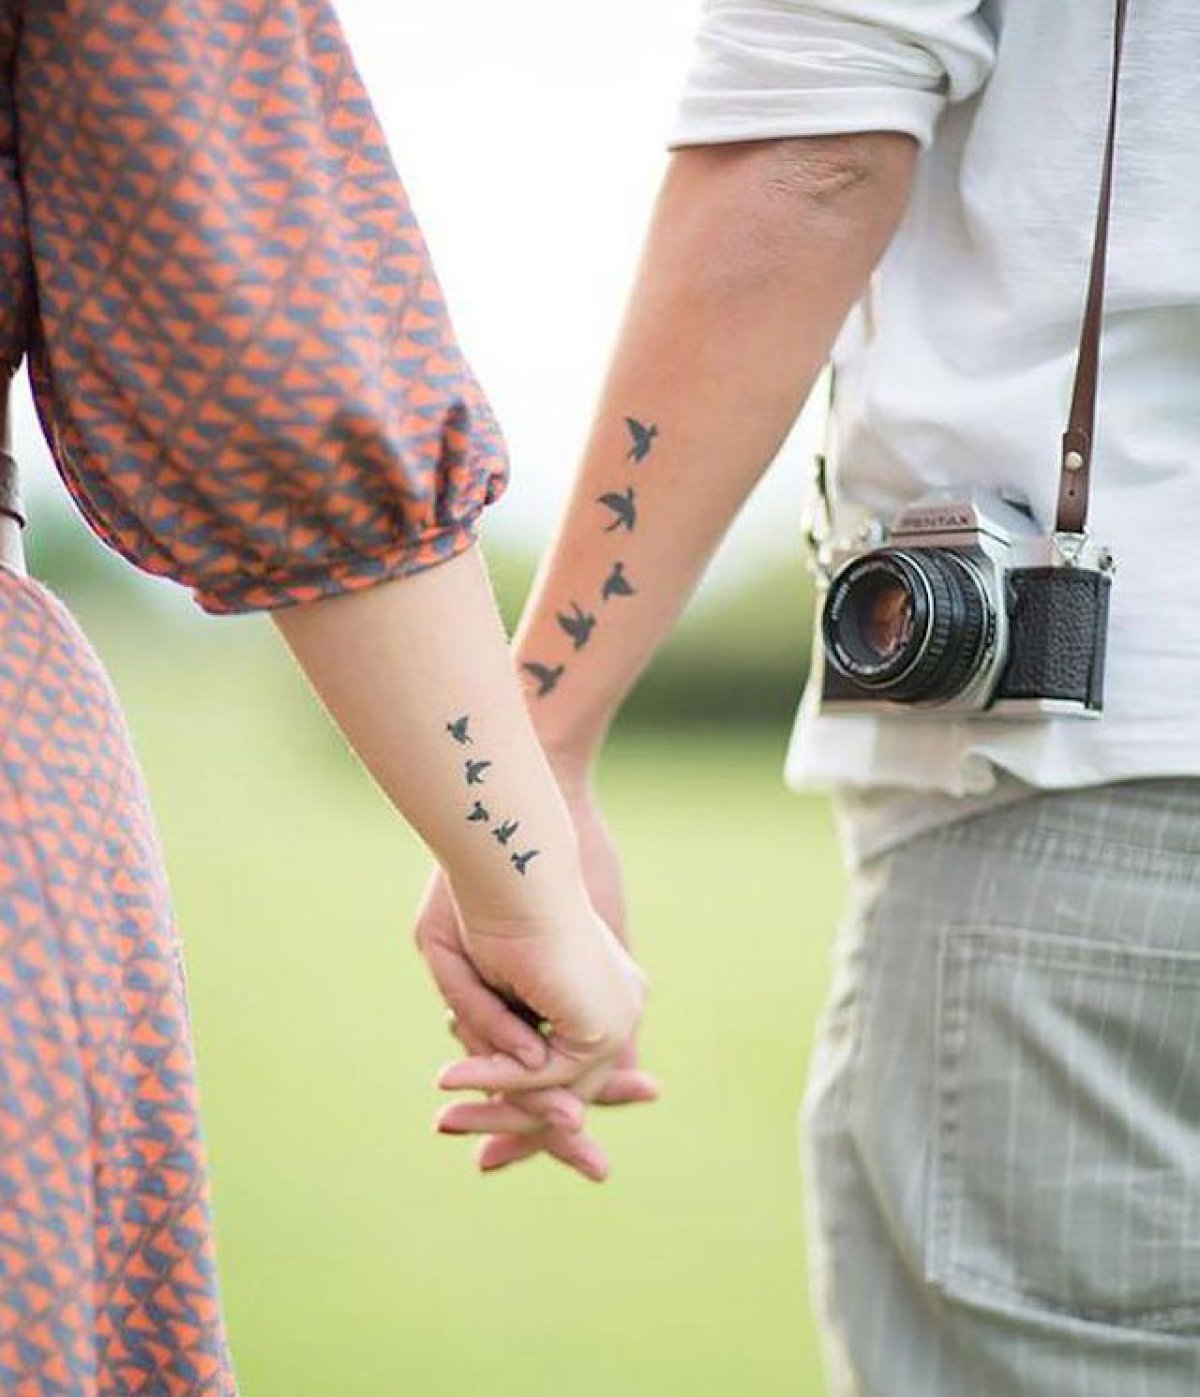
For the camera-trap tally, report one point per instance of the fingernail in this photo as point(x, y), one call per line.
point(595, 1164)
point(457, 1075)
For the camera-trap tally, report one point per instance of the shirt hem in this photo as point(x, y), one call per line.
point(744, 117)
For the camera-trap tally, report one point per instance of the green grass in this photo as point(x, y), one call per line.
point(361, 1255)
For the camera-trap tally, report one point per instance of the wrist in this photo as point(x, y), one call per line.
point(547, 910)
point(571, 743)
point(573, 766)
point(490, 893)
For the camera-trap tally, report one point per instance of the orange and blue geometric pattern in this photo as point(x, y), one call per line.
point(245, 370)
point(240, 351)
point(107, 1279)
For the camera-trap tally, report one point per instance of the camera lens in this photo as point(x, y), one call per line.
point(909, 625)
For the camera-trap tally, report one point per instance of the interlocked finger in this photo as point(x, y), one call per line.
point(576, 1151)
point(553, 1106)
point(501, 1116)
point(473, 1004)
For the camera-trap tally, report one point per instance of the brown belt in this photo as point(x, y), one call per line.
point(12, 514)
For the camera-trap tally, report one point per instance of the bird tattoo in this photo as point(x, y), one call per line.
point(624, 507)
point(521, 862)
point(505, 832)
point(618, 585)
point(578, 624)
point(643, 439)
point(547, 678)
point(475, 772)
point(458, 731)
point(478, 813)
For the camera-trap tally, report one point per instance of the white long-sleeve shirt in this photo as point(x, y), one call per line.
point(955, 370)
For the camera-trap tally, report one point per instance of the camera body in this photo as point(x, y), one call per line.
point(960, 607)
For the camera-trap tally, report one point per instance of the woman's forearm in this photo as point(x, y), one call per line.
point(755, 256)
point(418, 676)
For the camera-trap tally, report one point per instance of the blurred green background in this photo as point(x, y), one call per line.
point(361, 1255)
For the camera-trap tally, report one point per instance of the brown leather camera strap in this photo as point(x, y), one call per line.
point(10, 493)
point(1078, 440)
point(12, 516)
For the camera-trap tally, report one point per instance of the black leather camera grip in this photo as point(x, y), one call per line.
point(1058, 625)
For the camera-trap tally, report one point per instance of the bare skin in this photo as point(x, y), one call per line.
point(417, 674)
point(756, 254)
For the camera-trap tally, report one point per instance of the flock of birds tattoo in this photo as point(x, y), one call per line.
point(475, 772)
point(622, 509)
point(579, 625)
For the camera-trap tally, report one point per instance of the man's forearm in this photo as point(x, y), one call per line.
point(755, 256)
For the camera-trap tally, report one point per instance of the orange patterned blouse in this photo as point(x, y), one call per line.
point(239, 349)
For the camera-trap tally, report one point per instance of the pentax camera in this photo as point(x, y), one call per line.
point(963, 606)
point(960, 606)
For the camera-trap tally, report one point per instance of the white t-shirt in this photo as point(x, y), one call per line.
point(955, 370)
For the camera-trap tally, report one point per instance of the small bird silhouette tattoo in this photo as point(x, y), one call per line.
point(547, 678)
point(643, 439)
point(522, 861)
point(474, 772)
point(478, 813)
point(505, 832)
point(618, 585)
point(578, 624)
point(458, 731)
point(624, 507)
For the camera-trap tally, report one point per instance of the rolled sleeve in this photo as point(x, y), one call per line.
point(768, 69)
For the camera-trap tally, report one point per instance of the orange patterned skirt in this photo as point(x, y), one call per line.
point(107, 1278)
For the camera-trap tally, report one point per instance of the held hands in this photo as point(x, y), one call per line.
point(580, 978)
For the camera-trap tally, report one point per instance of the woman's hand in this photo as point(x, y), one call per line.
point(525, 1122)
point(628, 1084)
point(583, 986)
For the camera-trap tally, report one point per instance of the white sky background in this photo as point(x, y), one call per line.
point(530, 135)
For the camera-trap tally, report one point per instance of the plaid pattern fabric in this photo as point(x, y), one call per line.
point(1003, 1117)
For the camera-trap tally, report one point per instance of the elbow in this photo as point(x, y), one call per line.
point(801, 173)
point(834, 171)
point(759, 210)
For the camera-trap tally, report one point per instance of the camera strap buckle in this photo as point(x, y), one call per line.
point(1071, 547)
point(1081, 550)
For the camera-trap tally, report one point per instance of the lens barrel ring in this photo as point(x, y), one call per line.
point(959, 626)
point(951, 623)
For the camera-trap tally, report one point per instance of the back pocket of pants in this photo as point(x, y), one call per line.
point(1066, 1164)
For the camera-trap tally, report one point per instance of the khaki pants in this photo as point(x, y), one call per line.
point(1003, 1119)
